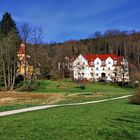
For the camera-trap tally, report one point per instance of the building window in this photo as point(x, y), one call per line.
point(109, 62)
point(70, 64)
point(97, 68)
point(115, 62)
point(91, 74)
point(96, 74)
point(91, 69)
point(78, 63)
point(103, 68)
point(108, 74)
point(108, 68)
point(97, 63)
point(83, 68)
point(103, 62)
point(83, 63)
point(83, 74)
point(91, 63)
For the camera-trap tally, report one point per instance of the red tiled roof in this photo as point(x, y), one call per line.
point(103, 57)
point(91, 57)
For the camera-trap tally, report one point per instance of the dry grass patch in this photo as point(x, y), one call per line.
point(7, 98)
point(77, 95)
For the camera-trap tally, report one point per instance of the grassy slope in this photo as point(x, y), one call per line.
point(69, 87)
point(72, 87)
point(15, 106)
point(106, 90)
point(114, 120)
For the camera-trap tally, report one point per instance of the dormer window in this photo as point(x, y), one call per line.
point(97, 63)
point(91, 63)
point(109, 62)
point(103, 62)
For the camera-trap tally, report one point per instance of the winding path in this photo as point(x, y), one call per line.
point(6, 113)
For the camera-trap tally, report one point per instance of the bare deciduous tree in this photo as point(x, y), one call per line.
point(8, 52)
point(25, 33)
point(36, 40)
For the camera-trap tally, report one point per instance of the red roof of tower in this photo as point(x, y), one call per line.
point(21, 50)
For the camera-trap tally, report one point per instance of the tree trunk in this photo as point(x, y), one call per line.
point(4, 74)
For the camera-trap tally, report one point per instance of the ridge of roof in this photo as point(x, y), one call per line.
point(103, 57)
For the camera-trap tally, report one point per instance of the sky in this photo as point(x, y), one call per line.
point(63, 20)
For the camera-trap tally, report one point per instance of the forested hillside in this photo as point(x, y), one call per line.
point(122, 43)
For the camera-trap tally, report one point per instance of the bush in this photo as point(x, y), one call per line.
point(27, 88)
point(135, 99)
point(82, 87)
point(123, 84)
point(19, 79)
point(135, 78)
point(102, 80)
point(33, 86)
point(133, 85)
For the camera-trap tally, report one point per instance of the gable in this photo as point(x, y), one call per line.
point(97, 61)
point(80, 59)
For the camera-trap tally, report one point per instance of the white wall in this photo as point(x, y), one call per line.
point(79, 63)
point(98, 68)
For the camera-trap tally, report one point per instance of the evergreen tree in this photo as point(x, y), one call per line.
point(7, 24)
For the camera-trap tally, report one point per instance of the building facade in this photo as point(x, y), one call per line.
point(97, 67)
point(24, 68)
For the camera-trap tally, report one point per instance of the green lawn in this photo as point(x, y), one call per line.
point(15, 106)
point(50, 86)
point(106, 90)
point(113, 120)
point(71, 93)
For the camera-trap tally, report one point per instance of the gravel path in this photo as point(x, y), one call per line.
point(6, 113)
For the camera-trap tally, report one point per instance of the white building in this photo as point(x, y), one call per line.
point(95, 67)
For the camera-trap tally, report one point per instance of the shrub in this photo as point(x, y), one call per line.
point(123, 84)
point(19, 79)
point(82, 87)
point(33, 86)
point(135, 78)
point(135, 99)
